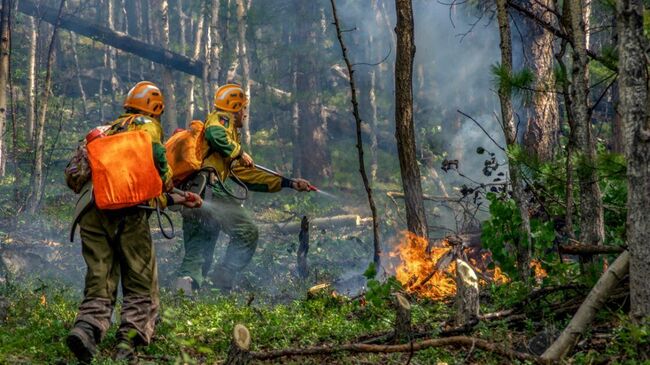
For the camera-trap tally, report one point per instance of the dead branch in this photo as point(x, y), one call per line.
point(587, 311)
point(454, 341)
point(582, 249)
point(357, 118)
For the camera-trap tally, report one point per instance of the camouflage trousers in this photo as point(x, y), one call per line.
point(201, 228)
point(117, 244)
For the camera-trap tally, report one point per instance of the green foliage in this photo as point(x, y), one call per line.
point(516, 83)
point(502, 232)
point(379, 293)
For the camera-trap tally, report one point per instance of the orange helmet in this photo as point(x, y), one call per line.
point(230, 97)
point(146, 97)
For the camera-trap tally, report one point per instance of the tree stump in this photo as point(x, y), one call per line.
point(303, 248)
point(238, 353)
point(402, 319)
point(467, 303)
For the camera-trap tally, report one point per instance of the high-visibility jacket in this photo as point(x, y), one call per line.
point(221, 145)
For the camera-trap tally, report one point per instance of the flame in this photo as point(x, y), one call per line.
point(540, 273)
point(419, 272)
point(416, 266)
point(43, 300)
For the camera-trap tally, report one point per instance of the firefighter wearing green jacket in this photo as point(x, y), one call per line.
point(116, 244)
point(201, 228)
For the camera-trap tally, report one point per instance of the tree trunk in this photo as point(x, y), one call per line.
point(82, 92)
point(541, 139)
point(112, 54)
point(312, 149)
point(592, 229)
point(192, 99)
point(303, 248)
point(5, 50)
point(242, 11)
point(37, 184)
point(587, 311)
point(215, 43)
point(31, 79)
point(171, 117)
point(510, 130)
point(416, 218)
point(634, 94)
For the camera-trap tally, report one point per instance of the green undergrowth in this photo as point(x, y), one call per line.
point(198, 331)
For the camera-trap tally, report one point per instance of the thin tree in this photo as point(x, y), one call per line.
point(416, 218)
point(357, 118)
point(242, 11)
point(31, 79)
point(524, 249)
point(75, 57)
point(5, 49)
point(171, 116)
point(634, 95)
point(196, 52)
point(37, 183)
point(592, 226)
point(215, 43)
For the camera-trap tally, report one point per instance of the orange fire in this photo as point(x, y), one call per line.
point(419, 273)
point(540, 273)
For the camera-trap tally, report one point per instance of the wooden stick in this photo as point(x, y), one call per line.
point(238, 353)
point(587, 250)
point(408, 347)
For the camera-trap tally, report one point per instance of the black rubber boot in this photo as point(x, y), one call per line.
point(81, 341)
point(125, 351)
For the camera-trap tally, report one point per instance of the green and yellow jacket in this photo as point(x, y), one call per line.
point(221, 146)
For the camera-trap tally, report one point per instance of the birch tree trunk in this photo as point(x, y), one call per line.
point(509, 127)
point(171, 116)
point(5, 49)
point(541, 139)
point(592, 228)
point(37, 184)
point(416, 218)
point(31, 79)
point(242, 10)
point(215, 43)
point(191, 81)
point(112, 54)
point(633, 66)
point(75, 57)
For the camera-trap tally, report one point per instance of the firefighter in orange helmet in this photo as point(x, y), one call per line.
point(221, 147)
point(117, 245)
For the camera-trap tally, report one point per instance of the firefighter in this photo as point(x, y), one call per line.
point(116, 244)
point(224, 158)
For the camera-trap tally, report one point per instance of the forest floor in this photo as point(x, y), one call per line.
point(40, 289)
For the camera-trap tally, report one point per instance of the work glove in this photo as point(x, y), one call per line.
point(299, 184)
point(246, 160)
point(188, 199)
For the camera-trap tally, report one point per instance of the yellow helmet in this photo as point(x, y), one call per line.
point(147, 97)
point(230, 97)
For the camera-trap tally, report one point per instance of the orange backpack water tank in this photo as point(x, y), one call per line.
point(124, 173)
point(184, 151)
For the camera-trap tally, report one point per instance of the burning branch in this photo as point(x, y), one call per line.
point(357, 118)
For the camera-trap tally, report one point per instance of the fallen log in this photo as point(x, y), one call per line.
point(591, 305)
point(588, 250)
point(238, 353)
point(402, 319)
point(398, 195)
point(339, 221)
point(470, 342)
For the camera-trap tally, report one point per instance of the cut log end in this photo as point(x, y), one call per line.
point(238, 353)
